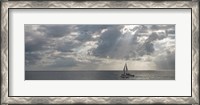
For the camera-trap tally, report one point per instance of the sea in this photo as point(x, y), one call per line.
point(100, 75)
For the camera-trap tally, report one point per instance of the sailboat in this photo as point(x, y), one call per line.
point(125, 72)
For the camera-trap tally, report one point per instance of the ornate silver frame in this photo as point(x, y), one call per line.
point(193, 5)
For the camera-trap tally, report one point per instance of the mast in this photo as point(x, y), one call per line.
point(124, 70)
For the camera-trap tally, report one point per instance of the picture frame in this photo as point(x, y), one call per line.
point(8, 5)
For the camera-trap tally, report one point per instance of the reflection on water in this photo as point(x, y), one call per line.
point(98, 75)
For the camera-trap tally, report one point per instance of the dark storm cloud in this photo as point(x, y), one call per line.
point(50, 38)
point(66, 46)
point(34, 40)
point(87, 31)
point(32, 58)
point(55, 30)
point(156, 36)
point(148, 46)
point(91, 28)
point(44, 38)
point(84, 36)
point(107, 41)
point(36, 44)
point(171, 31)
point(137, 49)
point(162, 27)
point(130, 46)
point(65, 43)
point(143, 29)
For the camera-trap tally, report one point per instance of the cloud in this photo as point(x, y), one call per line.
point(166, 61)
point(107, 42)
point(86, 32)
point(165, 53)
point(55, 30)
point(63, 62)
point(43, 39)
point(66, 46)
point(37, 43)
point(162, 27)
point(32, 58)
point(80, 46)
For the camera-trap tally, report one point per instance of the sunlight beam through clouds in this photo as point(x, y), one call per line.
point(99, 47)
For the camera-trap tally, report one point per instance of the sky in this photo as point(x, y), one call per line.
point(62, 47)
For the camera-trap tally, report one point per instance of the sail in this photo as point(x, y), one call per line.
point(124, 70)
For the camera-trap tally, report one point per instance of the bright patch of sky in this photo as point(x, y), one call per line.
point(99, 47)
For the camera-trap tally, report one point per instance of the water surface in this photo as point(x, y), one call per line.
point(98, 75)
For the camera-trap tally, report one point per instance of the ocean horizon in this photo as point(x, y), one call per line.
point(100, 75)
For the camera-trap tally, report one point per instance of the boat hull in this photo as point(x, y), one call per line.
point(124, 76)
